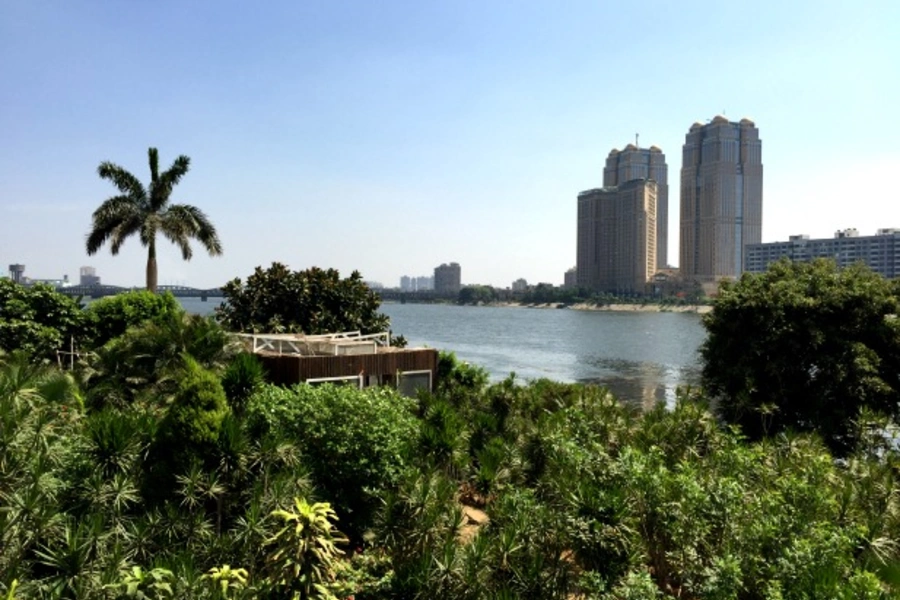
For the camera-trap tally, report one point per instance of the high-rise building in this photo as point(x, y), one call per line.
point(617, 237)
point(424, 283)
point(570, 279)
point(633, 163)
point(447, 279)
point(721, 198)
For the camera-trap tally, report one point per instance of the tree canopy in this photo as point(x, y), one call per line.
point(804, 346)
point(146, 212)
point(37, 319)
point(312, 301)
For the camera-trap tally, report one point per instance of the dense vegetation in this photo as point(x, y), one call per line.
point(311, 301)
point(163, 466)
point(805, 347)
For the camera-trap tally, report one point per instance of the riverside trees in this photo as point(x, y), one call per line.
point(804, 346)
point(311, 301)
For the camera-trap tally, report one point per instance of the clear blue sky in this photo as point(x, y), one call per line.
point(390, 136)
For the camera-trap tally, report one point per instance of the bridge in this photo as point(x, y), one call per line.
point(101, 291)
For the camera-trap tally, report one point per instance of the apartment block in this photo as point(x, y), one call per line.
point(447, 279)
point(881, 252)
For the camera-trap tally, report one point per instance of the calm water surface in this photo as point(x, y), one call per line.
point(641, 357)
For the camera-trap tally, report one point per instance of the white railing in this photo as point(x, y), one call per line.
point(343, 343)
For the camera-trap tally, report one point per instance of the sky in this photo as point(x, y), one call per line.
point(390, 137)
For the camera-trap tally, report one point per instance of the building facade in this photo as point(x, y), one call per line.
point(721, 198)
point(447, 278)
point(616, 247)
point(17, 273)
point(570, 278)
point(633, 163)
point(88, 276)
point(880, 252)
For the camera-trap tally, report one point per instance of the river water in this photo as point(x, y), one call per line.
point(641, 357)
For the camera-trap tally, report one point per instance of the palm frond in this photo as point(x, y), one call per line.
point(127, 183)
point(108, 218)
point(183, 221)
point(153, 158)
point(161, 187)
point(149, 227)
point(122, 232)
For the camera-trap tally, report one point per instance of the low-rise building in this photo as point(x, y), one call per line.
point(881, 252)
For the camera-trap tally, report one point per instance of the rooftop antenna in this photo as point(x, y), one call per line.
point(636, 136)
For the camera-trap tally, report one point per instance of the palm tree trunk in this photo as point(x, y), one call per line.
point(151, 267)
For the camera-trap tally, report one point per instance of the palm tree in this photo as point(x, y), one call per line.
point(145, 212)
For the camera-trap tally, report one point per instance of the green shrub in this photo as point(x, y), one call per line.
point(37, 320)
point(356, 442)
point(190, 429)
point(111, 317)
point(242, 377)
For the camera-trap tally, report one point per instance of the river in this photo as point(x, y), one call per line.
point(641, 356)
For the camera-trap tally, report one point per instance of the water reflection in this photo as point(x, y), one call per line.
point(641, 383)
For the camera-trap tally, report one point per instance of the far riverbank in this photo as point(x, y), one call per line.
point(700, 309)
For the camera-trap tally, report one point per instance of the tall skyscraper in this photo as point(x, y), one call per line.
point(616, 247)
point(644, 163)
point(721, 198)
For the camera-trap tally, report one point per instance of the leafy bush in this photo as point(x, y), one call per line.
point(110, 317)
point(243, 376)
point(356, 442)
point(37, 319)
point(143, 363)
point(190, 429)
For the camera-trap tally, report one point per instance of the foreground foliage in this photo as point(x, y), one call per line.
point(37, 320)
point(482, 490)
point(804, 347)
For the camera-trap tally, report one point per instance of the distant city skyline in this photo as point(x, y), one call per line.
point(389, 138)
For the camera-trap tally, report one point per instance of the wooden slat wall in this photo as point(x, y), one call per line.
point(288, 370)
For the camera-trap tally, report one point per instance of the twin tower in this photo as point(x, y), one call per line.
point(623, 227)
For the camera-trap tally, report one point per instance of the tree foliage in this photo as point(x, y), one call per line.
point(311, 301)
point(146, 211)
point(37, 319)
point(804, 346)
point(111, 317)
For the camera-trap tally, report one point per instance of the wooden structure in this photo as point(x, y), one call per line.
point(349, 357)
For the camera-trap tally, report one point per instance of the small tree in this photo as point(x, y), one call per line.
point(304, 557)
point(311, 301)
point(111, 317)
point(804, 346)
point(37, 319)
